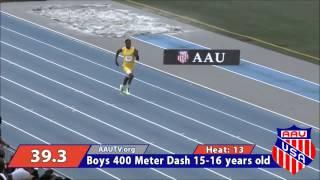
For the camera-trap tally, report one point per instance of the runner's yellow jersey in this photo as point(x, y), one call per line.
point(128, 57)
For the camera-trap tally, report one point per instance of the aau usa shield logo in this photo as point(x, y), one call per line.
point(183, 57)
point(293, 149)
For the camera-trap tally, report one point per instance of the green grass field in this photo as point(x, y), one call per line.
point(292, 24)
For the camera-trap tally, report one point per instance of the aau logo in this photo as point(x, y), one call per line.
point(293, 149)
point(183, 57)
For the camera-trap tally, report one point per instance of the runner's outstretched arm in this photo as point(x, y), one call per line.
point(117, 54)
point(136, 54)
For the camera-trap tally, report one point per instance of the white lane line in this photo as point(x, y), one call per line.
point(159, 70)
point(144, 119)
point(252, 78)
point(281, 72)
point(71, 130)
point(25, 132)
point(152, 85)
point(249, 62)
point(271, 173)
point(39, 139)
point(249, 77)
point(136, 38)
point(147, 42)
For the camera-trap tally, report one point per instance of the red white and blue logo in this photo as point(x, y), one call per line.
point(293, 149)
point(183, 57)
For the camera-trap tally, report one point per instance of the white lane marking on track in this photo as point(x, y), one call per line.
point(25, 132)
point(252, 78)
point(152, 85)
point(179, 134)
point(148, 42)
point(98, 120)
point(280, 72)
point(249, 62)
point(39, 139)
point(315, 100)
point(159, 70)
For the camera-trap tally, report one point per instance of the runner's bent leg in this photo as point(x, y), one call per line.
point(125, 80)
point(131, 76)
